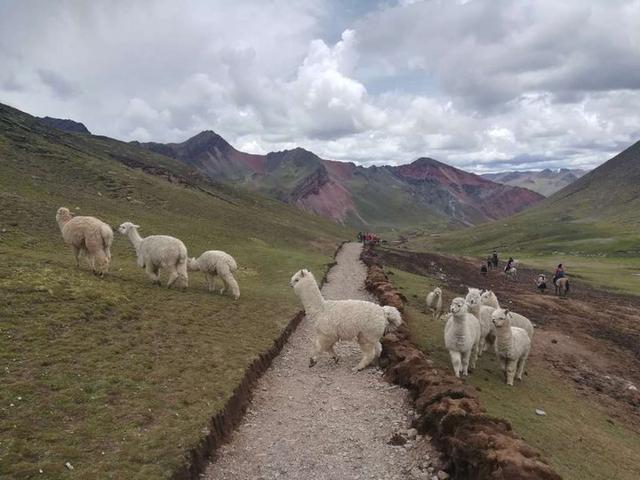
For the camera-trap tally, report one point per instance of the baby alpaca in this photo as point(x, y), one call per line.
point(462, 337)
point(159, 251)
point(216, 262)
point(434, 302)
point(512, 345)
point(343, 320)
point(89, 235)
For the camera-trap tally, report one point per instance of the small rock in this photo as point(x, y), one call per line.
point(412, 433)
point(632, 387)
point(442, 475)
point(540, 412)
point(554, 341)
point(397, 439)
point(40, 470)
point(68, 465)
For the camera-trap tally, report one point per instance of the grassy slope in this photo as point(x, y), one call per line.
point(575, 434)
point(116, 376)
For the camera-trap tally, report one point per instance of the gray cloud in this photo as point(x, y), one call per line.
point(483, 84)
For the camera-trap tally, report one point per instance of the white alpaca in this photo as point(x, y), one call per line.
point(489, 298)
point(434, 302)
point(482, 313)
point(159, 251)
point(89, 235)
point(512, 345)
point(343, 320)
point(462, 337)
point(216, 262)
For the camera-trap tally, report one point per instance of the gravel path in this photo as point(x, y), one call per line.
point(326, 422)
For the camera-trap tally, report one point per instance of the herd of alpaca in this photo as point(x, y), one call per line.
point(334, 320)
point(93, 237)
point(475, 323)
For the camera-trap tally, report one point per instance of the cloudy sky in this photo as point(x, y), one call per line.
point(485, 85)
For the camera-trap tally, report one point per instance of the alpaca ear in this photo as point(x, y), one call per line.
point(302, 272)
point(136, 226)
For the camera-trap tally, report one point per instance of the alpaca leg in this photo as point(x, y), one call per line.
point(456, 362)
point(481, 346)
point(100, 263)
point(521, 364)
point(473, 356)
point(511, 371)
point(173, 276)
point(231, 283)
point(152, 273)
point(211, 281)
point(378, 349)
point(318, 347)
point(76, 254)
point(466, 357)
point(368, 355)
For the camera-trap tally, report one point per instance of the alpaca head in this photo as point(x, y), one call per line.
point(488, 298)
point(437, 292)
point(473, 298)
point(300, 278)
point(501, 318)
point(63, 215)
point(192, 264)
point(126, 227)
point(458, 305)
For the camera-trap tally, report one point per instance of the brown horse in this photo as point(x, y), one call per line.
point(562, 286)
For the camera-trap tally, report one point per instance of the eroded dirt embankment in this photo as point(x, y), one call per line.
point(592, 337)
point(477, 445)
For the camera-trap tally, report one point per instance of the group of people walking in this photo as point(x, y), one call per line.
point(368, 238)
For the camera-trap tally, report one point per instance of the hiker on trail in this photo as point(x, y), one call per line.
point(489, 260)
point(360, 239)
point(559, 273)
point(494, 258)
point(483, 268)
point(509, 264)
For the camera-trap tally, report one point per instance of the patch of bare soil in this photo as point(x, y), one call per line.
point(591, 337)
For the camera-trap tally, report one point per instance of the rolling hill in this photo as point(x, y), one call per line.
point(546, 182)
point(424, 193)
point(118, 375)
point(598, 214)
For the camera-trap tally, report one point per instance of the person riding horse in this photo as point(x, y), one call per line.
point(559, 273)
point(509, 265)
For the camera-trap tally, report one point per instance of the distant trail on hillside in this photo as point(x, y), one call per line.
point(325, 422)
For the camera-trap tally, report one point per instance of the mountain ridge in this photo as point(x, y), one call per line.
point(425, 191)
point(545, 182)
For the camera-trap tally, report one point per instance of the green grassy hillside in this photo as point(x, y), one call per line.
point(117, 376)
point(599, 215)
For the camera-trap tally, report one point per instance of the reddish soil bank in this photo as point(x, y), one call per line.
point(593, 336)
point(477, 445)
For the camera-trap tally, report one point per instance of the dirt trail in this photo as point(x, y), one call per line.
point(325, 422)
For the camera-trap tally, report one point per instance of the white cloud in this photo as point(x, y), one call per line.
point(482, 84)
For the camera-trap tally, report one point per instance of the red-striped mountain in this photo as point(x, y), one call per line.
point(423, 193)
